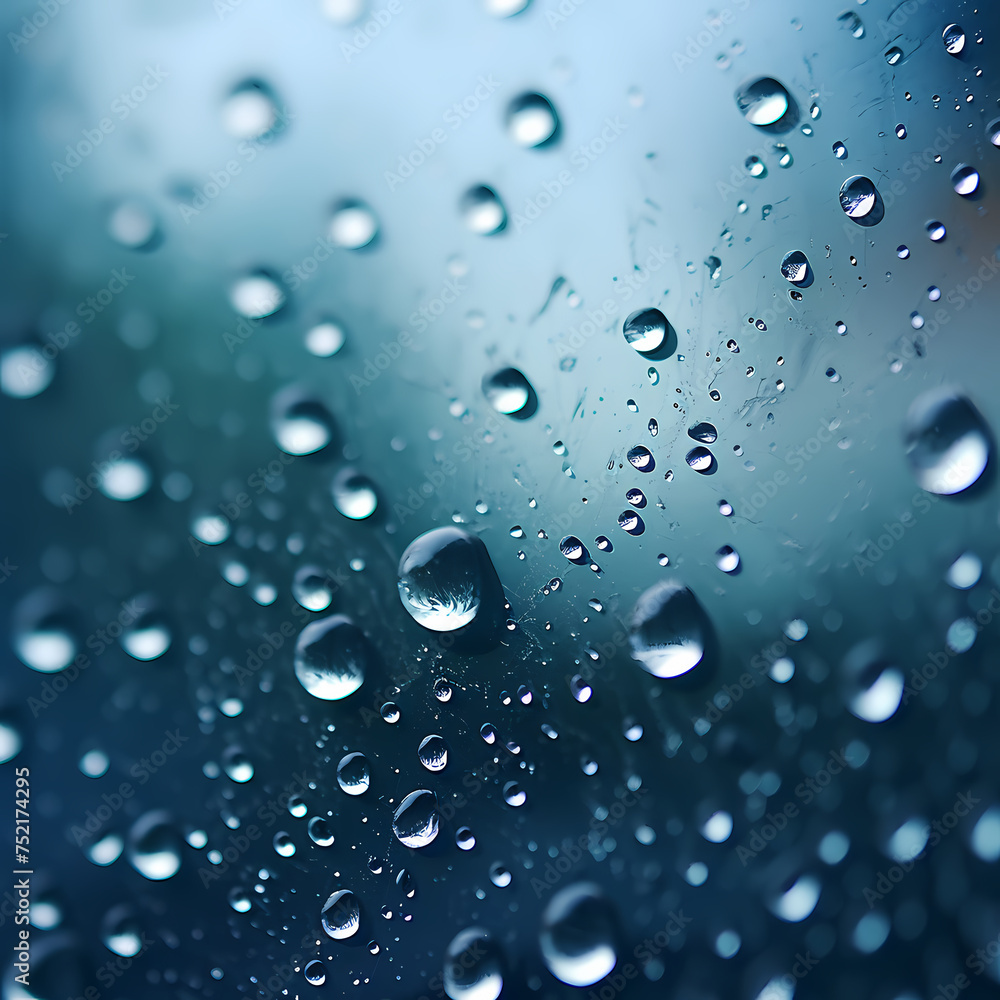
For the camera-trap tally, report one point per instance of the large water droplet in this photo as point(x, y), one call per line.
point(763, 102)
point(433, 752)
point(441, 578)
point(332, 657)
point(483, 210)
point(578, 935)
point(352, 225)
point(795, 267)
point(858, 197)
point(341, 915)
point(415, 822)
point(953, 38)
point(473, 967)
point(154, 846)
point(300, 425)
point(250, 111)
point(947, 442)
point(354, 494)
point(965, 180)
point(645, 330)
point(670, 630)
point(531, 120)
point(509, 392)
point(704, 432)
point(354, 774)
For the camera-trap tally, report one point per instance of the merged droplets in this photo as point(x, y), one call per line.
point(441, 578)
point(415, 822)
point(509, 392)
point(354, 774)
point(669, 631)
point(483, 210)
point(341, 915)
point(578, 935)
point(763, 102)
point(947, 441)
point(353, 225)
point(473, 966)
point(645, 330)
point(332, 657)
point(532, 120)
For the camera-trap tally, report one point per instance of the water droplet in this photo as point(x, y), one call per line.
point(840, 150)
point(312, 588)
point(473, 966)
point(319, 831)
point(578, 935)
point(763, 102)
point(341, 915)
point(531, 120)
point(947, 442)
point(871, 685)
point(256, 295)
point(353, 773)
point(699, 459)
point(954, 39)
point(858, 197)
point(798, 901)
point(965, 180)
point(902, 251)
point(331, 658)
point(704, 432)
point(645, 330)
point(125, 479)
point(415, 822)
point(149, 636)
point(936, 231)
point(850, 20)
point(442, 577)
point(237, 765)
point(500, 876)
point(353, 225)
point(727, 559)
point(120, 932)
point(900, 131)
point(893, 55)
point(315, 972)
point(433, 752)
point(669, 631)
point(283, 844)
point(514, 794)
point(238, 899)
point(132, 224)
point(483, 211)
point(509, 392)
point(755, 167)
point(641, 458)
point(154, 846)
point(25, 372)
point(354, 494)
point(300, 425)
